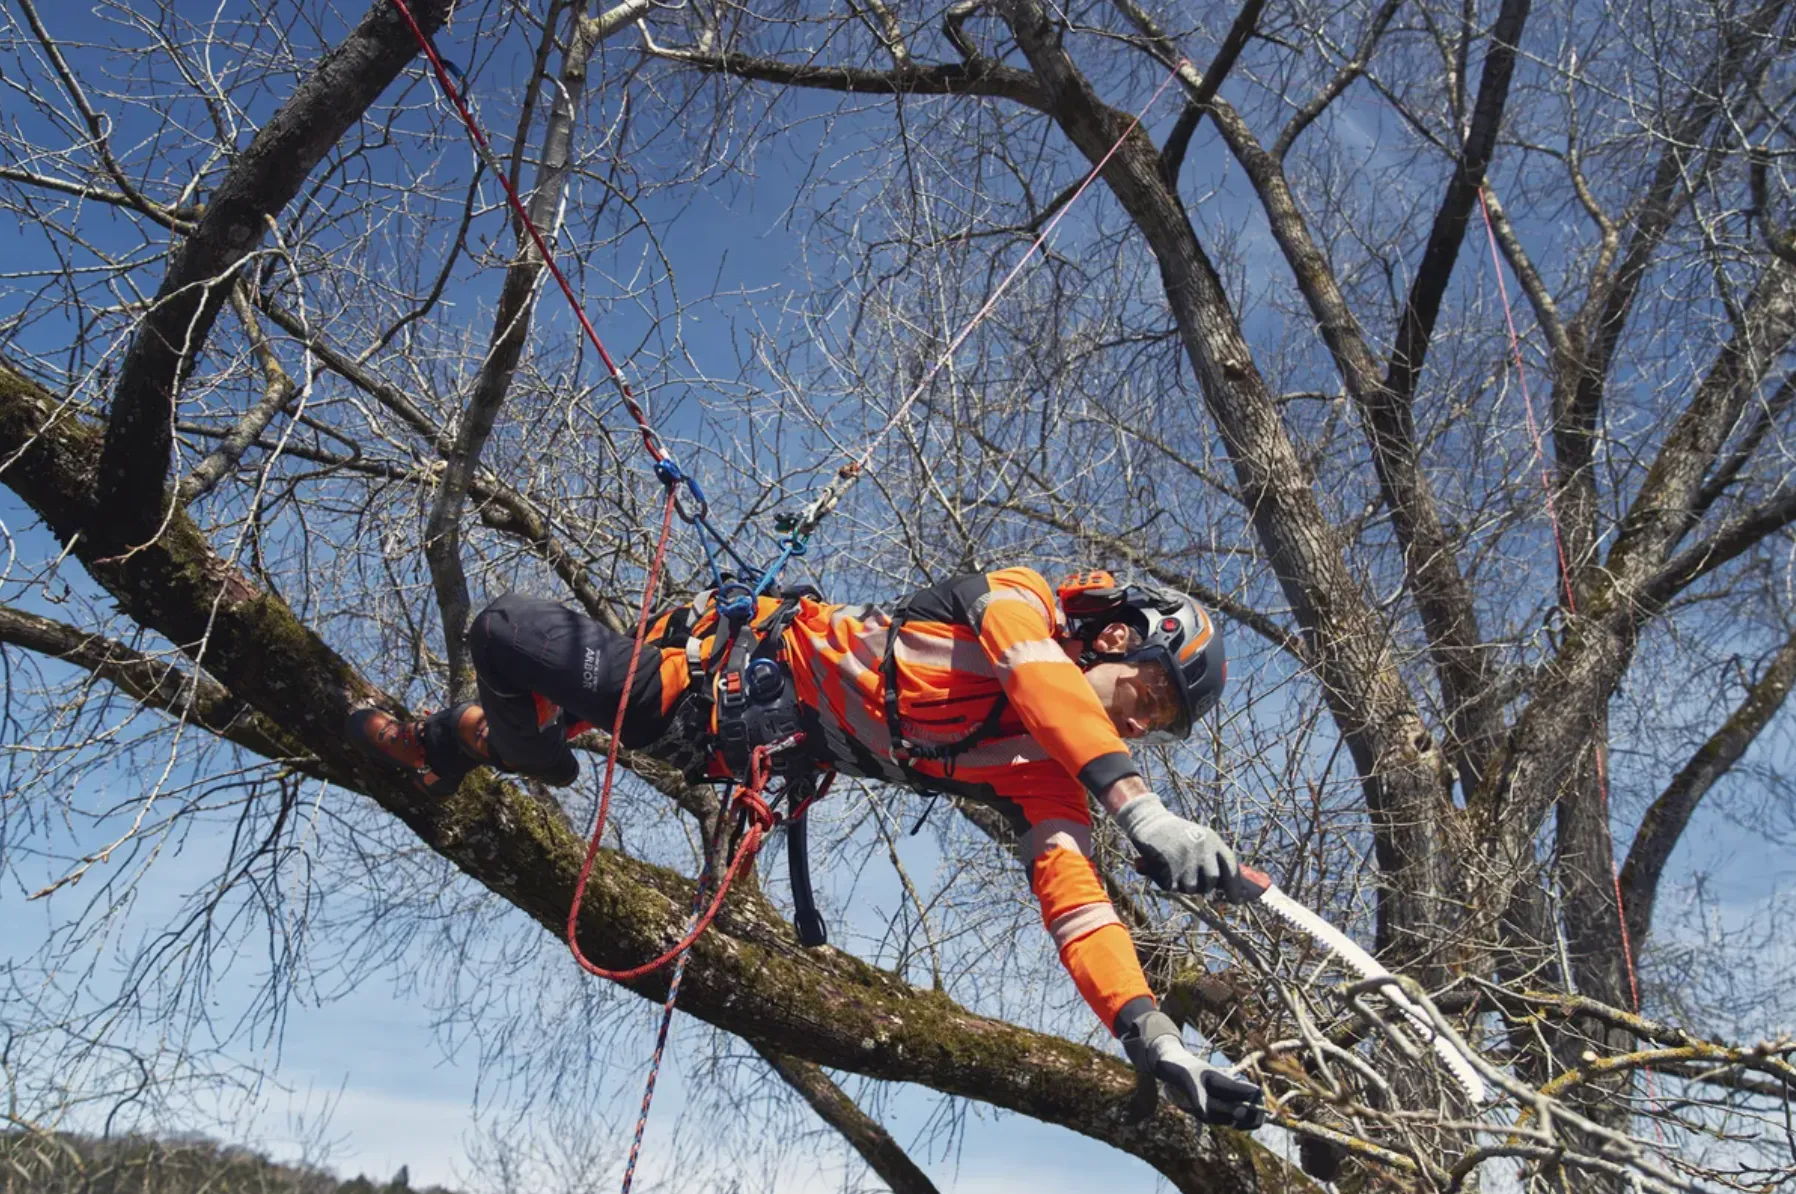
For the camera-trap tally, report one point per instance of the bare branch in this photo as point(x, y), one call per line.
point(1666, 818)
point(977, 77)
point(883, 1155)
point(277, 391)
point(262, 179)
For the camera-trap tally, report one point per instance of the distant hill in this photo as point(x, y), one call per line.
point(66, 1163)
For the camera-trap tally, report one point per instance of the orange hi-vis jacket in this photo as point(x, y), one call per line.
point(962, 646)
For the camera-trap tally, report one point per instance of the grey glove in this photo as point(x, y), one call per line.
point(1153, 1044)
point(1177, 854)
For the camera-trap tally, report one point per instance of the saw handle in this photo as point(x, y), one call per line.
point(1245, 886)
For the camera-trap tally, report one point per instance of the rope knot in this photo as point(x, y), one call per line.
point(760, 814)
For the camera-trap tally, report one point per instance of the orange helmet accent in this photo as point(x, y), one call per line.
point(1083, 594)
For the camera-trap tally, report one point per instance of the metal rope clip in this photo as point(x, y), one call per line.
point(735, 601)
point(668, 470)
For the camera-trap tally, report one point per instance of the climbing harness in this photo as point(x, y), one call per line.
point(759, 722)
point(905, 749)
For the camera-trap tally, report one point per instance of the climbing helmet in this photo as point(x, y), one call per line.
point(1172, 630)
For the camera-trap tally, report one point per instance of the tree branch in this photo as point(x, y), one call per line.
point(1343, 78)
point(1598, 326)
point(1430, 555)
point(262, 179)
point(1179, 140)
point(1663, 826)
point(864, 1134)
point(96, 124)
point(161, 685)
point(976, 77)
point(278, 389)
point(1665, 508)
point(1415, 328)
point(1719, 549)
point(1403, 773)
point(1546, 309)
point(177, 219)
point(504, 508)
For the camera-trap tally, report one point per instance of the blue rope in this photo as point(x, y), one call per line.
point(736, 604)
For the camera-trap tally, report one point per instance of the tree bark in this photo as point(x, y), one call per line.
point(747, 976)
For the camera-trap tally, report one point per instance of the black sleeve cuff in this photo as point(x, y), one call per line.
point(1101, 772)
point(1131, 1014)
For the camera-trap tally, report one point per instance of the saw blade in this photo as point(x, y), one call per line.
point(1366, 966)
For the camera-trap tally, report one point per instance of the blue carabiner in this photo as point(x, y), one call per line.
point(735, 601)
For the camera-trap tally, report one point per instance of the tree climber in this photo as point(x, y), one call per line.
point(988, 686)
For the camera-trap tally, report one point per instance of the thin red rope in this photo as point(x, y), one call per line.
point(650, 439)
point(747, 795)
point(1565, 579)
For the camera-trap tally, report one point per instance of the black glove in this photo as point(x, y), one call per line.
point(1214, 1097)
point(1177, 854)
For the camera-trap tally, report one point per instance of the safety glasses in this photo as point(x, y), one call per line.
point(1167, 688)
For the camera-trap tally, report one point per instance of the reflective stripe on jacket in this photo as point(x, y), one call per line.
point(964, 643)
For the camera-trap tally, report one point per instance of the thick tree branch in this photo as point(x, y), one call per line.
point(161, 685)
point(1172, 157)
point(977, 77)
point(1415, 328)
point(748, 976)
point(262, 179)
point(1719, 549)
point(1666, 506)
point(1666, 819)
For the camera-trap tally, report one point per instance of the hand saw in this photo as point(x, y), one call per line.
point(1250, 886)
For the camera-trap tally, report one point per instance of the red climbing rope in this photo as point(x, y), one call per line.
point(747, 797)
point(1565, 578)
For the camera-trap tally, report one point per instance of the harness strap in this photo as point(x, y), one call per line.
point(905, 749)
point(745, 680)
